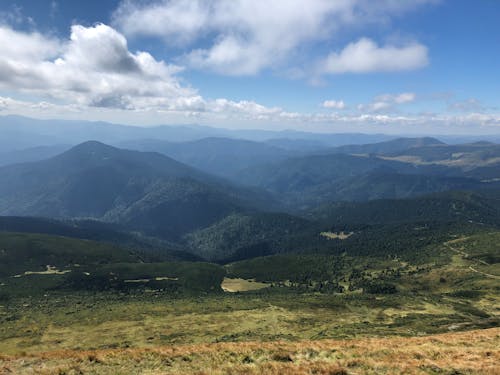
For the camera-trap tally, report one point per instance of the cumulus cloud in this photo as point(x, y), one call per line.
point(334, 104)
point(26, 47)
point(177, 22)
point(244, 37)
point(94, 72)
point(365, 56)
point(94, 67)
point(387, 102)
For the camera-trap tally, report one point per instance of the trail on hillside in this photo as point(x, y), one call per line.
point(484, 273)
point(466, 256)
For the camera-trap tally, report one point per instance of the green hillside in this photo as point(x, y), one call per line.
point(146, 192)
point(245, 236)
point(463, 266)
point(21, 252)
point(150, 248)
point(34, 264)
point(169, 278)
point(443, 207)
point(379, 227)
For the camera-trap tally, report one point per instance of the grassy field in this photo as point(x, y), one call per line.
point(112, 320)
point(174, 317)
point(474, 352)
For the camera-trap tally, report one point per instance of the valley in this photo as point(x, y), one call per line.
point(107, 253)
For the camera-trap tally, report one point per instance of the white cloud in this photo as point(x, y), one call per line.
point(365, 56)
point(244, 37)
point(93, 72)
point(249, 114)
point(334, 104)
point(255, 35)
point(224, 105)
point(178, 22)
point(405, 97)
point(94, 67)
point(228, 56)
point(386, 102)
point(26, 47)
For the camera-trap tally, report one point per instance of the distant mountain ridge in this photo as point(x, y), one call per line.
point(143, 191)
point(31, 154)
point(388, 147)
point(220, 156)
point(310, 180)
point(20, 132)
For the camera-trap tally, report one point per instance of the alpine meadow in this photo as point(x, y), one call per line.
point(249, 187)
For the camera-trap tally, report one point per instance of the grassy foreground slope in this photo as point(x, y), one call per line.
point(455, 287)
point(125, 316)
point(474, 352)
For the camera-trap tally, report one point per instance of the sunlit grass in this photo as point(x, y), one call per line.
point(474, 352)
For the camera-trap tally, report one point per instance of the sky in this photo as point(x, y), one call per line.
point(390, 66)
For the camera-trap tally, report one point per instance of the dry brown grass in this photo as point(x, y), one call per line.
point(473, 352)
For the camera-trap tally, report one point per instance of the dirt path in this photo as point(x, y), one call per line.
point(484, 273)
point(466, 256)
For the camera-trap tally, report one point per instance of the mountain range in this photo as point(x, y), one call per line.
point(224, 199)
point(20, 133)
point(148, 192)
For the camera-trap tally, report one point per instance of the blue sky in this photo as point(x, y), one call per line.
point(421, 66)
